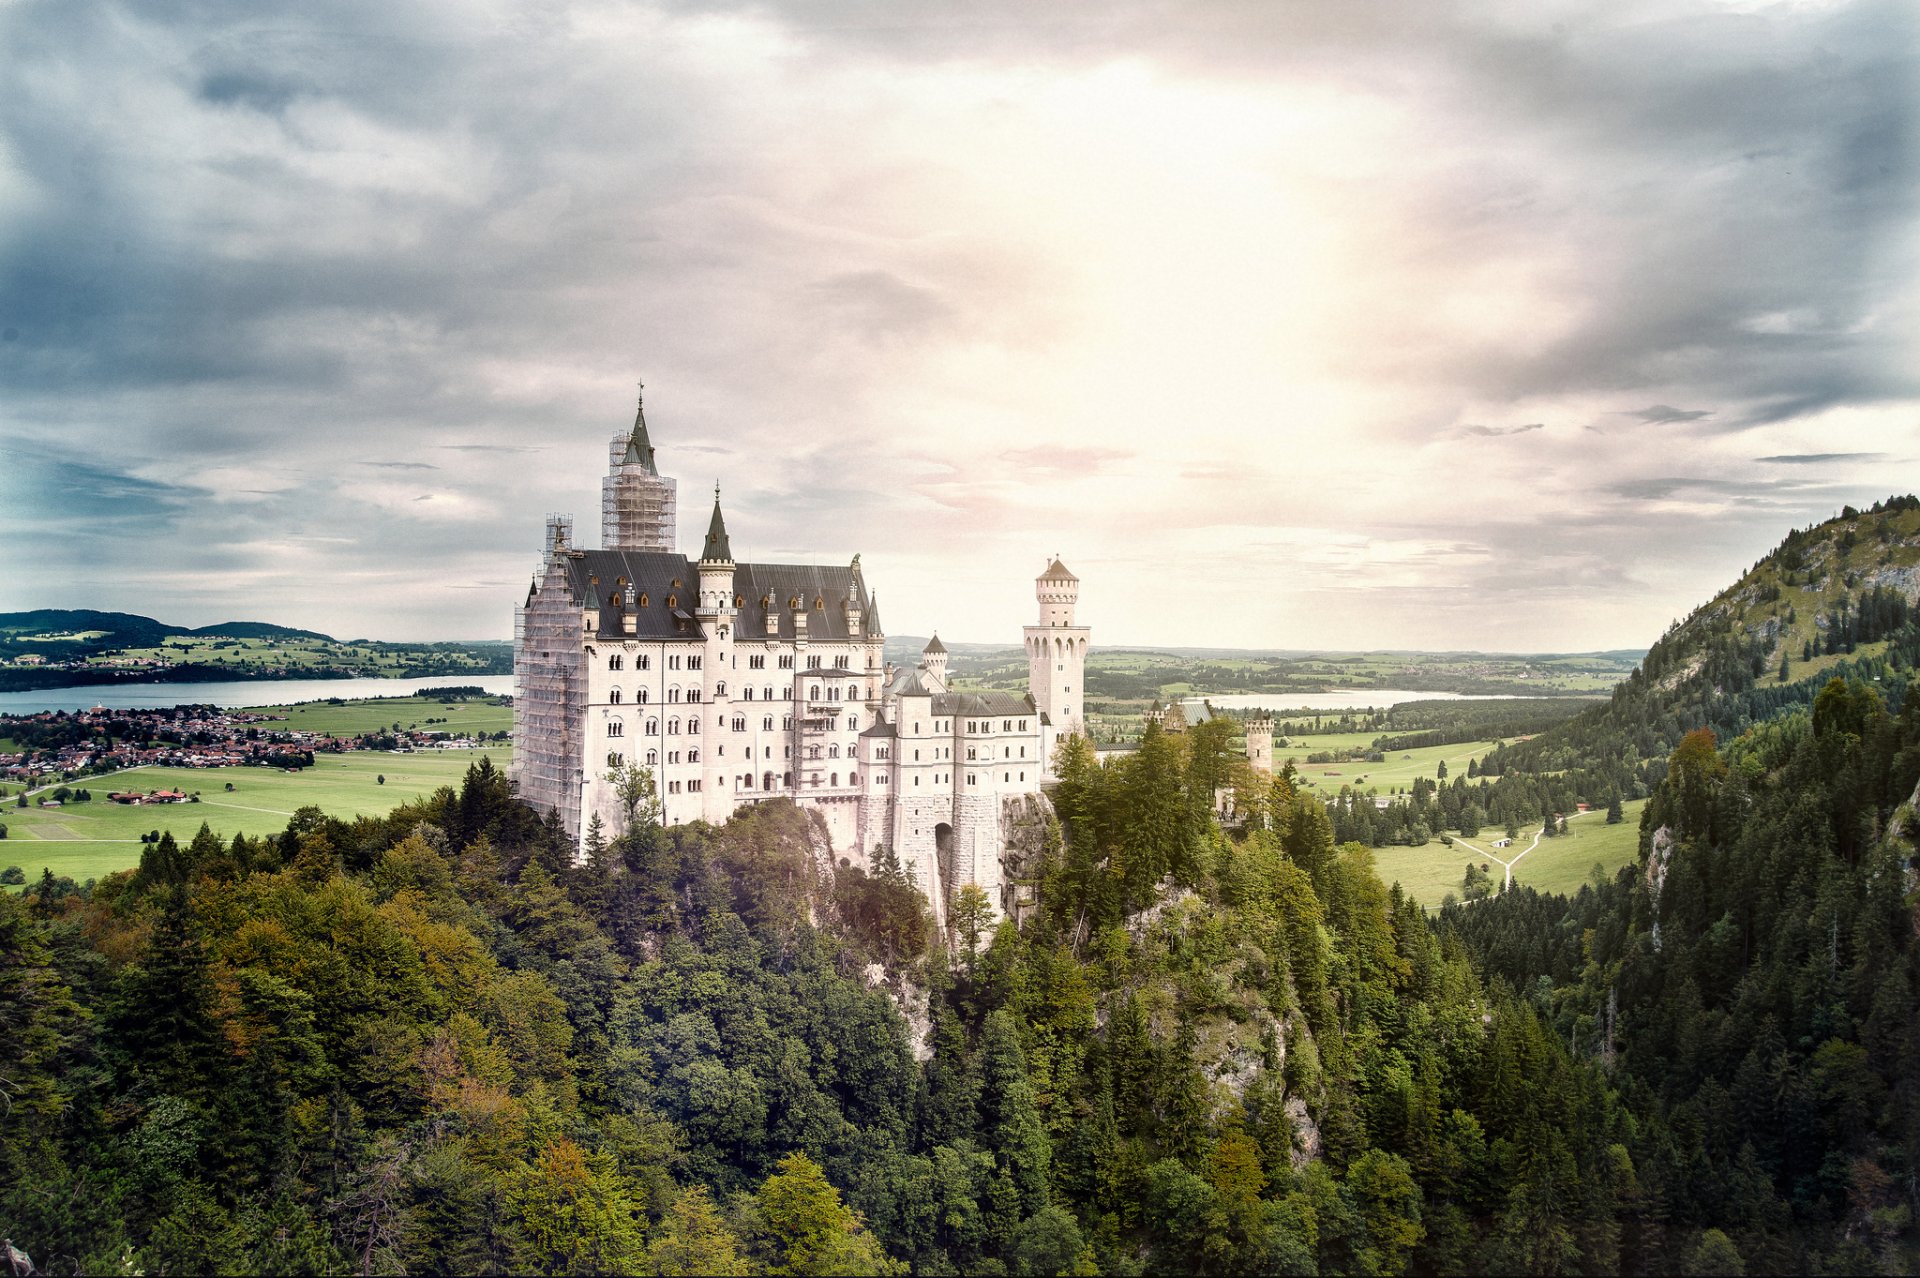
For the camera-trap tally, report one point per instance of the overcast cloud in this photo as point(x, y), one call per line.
point(1502, 325)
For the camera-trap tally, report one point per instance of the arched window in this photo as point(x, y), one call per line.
point(693, 694)
point(766, 694)
point(653, 758)
point(853, 692)
point(643, 696)
point(693, 726)
point(643, 662)
point(613, 697)
point(693, 756)
point(766, 779)
point(653, 727)
point(747, 780)
point(853, 778)
point(615, 728)
point(613, 662)
point(813, 693)
point(720, 689)
point(766, 724)
point(853, 722)
point(673, 727)
point(739, 723)
point(833, 752)
point(673, 693)
point(746, 693)
point(833, 778)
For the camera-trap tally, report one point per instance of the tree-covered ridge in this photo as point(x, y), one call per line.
point(1755, 984)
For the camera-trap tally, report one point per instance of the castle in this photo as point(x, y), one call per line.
point(735, 683)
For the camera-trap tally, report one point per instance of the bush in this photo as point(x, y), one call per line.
point(12, 875)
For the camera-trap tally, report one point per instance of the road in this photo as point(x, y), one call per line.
point(1517, 856)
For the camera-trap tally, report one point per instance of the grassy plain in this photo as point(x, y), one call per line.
point(88, 840)
point(295, 655)
point(351, 718)
point(1559, 864)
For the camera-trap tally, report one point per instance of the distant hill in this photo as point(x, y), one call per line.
point(130, 630)
point(1837, 598)
point(259, 630)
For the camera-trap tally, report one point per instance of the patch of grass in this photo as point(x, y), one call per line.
point(88, 840)
point(1396, 773)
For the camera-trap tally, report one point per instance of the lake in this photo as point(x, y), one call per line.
point(258, 692)
point(1339, 699)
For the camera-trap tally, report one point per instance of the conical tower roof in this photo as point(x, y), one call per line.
point(1057, 571)
point(934, 647)
point(872, 622)
point(639, 447)
point(718, 549)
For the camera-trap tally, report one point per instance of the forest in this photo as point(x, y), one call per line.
point(430, 1042)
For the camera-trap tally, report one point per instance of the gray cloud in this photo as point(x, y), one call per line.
point(1810, 459)
point(1661, 414)
point(1496, 431)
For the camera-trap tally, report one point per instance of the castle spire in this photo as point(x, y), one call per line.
point(718, 550)
point(639, 447)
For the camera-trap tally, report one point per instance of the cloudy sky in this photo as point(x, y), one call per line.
point(1504, 324)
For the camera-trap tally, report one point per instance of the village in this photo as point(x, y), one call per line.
point(57, 745)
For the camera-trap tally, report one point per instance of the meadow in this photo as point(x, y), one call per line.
point(89, 840)
point(1396, 773)
point(1559, 864)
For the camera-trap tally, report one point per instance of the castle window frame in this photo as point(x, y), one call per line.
point(693, 725)
point(693, 662)
point(643, 696)
point(739, 723)
point(615, 728)
point(757, 662)
point(673, 727)
point(693, 694)
point(613, 697)
point(693, 756)
point(614, 662)
point(653, 758)
point(673, 695)
point(720, 689)
point(766, 724)
point(653, 727)
point(643, 662)
point(786, 661)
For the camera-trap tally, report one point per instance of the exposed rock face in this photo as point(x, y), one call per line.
point(1658, 859)
point(1306, 1133)
point(911, 1001)
point(1027, 825)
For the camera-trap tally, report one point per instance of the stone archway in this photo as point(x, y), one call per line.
point(943, 859)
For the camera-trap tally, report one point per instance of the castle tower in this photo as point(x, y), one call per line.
point(1057, 657)
point(1260, 741)
point(639, 507)
point(716, 611)
point(933, 659)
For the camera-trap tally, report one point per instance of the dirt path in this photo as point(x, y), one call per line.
point(1508, 865)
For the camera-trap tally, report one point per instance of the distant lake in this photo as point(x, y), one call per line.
point(256, 692)
point(1341, 699)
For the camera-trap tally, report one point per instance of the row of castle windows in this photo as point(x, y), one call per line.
point(1007, 752)
point(642, 662)
point(618, 728)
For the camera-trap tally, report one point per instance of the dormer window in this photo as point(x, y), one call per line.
point(673, 601)
point(643, 599)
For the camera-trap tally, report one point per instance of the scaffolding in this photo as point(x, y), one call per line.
point(549, 684)
point(638, 508)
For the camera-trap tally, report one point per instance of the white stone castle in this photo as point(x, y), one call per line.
point(736, 683)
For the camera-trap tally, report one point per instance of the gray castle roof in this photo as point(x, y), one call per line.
point(718, 548)
point(934, 646)
point(821, 593)
point(1057, 571)
point(983, 704)
point(639, 447)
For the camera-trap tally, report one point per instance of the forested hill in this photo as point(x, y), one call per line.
point(1835, 599)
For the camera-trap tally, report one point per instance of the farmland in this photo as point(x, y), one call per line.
point(1561, 864)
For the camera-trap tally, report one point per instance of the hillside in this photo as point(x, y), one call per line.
point(1838, 598)
point(57, 647)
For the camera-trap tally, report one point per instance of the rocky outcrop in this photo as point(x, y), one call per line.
point(1659, 857)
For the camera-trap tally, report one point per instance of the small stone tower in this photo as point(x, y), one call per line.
point(1057, 657)
point(1260, 740)
point(933, 659)
point(639, 507)
point(716, 612)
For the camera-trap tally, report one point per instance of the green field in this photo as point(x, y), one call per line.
point(1559, 864)
point(351, 718)
point(1398, 772)
point(89, 840)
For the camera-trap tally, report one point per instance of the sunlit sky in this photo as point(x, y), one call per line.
point(1511, 326)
